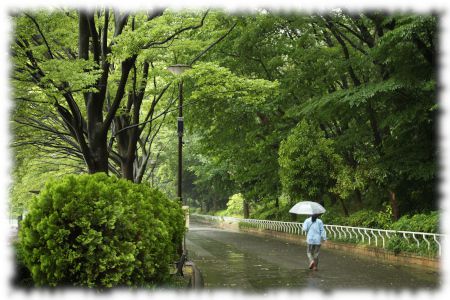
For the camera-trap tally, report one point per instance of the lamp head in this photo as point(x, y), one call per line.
point(178, 68)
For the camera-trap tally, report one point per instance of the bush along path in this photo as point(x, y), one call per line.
point(98, 231)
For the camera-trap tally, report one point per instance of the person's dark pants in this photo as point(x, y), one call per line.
point(313, 253)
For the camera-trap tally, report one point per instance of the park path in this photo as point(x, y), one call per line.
point(254, 263)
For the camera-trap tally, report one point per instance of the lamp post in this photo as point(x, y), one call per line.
point(177, 70)
point(152, 163)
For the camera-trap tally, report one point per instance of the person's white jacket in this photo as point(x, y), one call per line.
point(315, 231)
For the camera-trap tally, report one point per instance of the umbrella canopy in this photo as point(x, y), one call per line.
point(307, 208)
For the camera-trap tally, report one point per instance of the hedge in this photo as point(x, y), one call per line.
point(100, 231)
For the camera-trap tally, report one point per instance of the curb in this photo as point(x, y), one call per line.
point(196, 280)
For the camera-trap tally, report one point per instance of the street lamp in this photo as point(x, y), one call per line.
point(177, 70)
point(152, 163)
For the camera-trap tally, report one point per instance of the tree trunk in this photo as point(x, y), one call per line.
point(320, 199)
point(333, 199)
point(83, 35)
point(375, 128)
point(99, 152)
point(394, 205)
point(127, 169)
point(344, 208)
point(358, 196)
point(246, 210)
point(130, 159)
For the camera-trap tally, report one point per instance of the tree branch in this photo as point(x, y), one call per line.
point(126, 68)
point(42, 35)
point(83, 35)
point(351, 42)
point(212, 45)
point(96, 47)
point(176, 33)
point(331, 27)
point(120, 22)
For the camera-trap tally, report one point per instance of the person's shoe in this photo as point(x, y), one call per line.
point(312, 265)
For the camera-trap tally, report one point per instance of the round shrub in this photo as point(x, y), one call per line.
point(100, 231)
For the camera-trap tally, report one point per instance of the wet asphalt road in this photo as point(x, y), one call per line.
point(255, 263)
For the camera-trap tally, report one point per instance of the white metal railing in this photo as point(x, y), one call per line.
point(371, 236)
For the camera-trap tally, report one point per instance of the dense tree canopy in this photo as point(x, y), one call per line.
point(367, 85)
point(339, 107)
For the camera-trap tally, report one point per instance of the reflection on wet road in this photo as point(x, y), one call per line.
point(255, 263)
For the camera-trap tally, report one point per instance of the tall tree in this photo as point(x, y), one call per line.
point(92, 76)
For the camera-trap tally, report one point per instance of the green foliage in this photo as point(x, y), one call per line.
point(100, 231)
point(419, 222)
point(308, 163)
point(196, 210)
point(75, 75)
point(132, 42)
point(220, 213)
point(269, 211)
point(214, 82)
point(349, 179)
point(398, 244)
point(279, 108)
point(30, 174)
point(333, 216)
point(224, 112)
point(354, 97)
point(235, 205)
point(60, 97)
point(266, 212)
point(422, 222)
point(367, 218)
point(22, 276)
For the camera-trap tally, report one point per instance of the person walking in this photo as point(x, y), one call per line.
point(315, 233)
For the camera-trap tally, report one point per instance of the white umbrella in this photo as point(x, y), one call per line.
point(307, 208)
